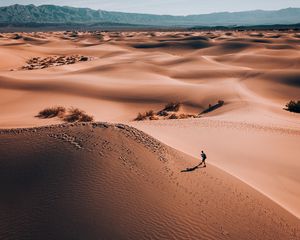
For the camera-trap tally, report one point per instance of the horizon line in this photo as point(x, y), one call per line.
point(253, 10)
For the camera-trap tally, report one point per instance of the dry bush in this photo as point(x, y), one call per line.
point(140, 117)
point(144, 116)
point(185, 116)
point(77, 115)
point(173, 116)
point(163, 113)
point(150, 113)
point(86, 118)
point(172, 107)
point(154, 118)
point(293, 106)
point(73, 115)
point(52, 112)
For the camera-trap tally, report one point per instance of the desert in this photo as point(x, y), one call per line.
point(97, 126)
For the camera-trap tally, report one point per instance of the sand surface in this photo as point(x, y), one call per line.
point(101, 181)
point(251, 137)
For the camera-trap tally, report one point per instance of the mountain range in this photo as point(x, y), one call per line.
point(51, 14)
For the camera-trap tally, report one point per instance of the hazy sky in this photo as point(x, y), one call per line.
point(175, 7)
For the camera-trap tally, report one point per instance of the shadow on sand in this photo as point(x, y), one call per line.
point(192, 169)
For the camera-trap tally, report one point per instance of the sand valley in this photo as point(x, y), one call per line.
point(121, 178)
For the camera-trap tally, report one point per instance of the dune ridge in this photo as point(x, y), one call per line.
point(114, 181)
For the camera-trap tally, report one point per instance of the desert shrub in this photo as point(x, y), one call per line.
point(77, 115)
point(173, 116)
point(153, 118)
point(51, 112)
point(163, 113)
point(140, 117)
point(73, 116)
point(172, 107)
point(185, 116)
point(293, 106)
point(144, 116)
point(150, 113)
point(86, 118)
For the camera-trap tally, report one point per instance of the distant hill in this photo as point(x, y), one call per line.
point(51, 14)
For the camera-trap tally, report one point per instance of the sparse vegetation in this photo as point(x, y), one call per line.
point(173, 116)
point(163, 113)
point(72, 115)
point(145, 116)
point(86, 118)
point(140, 117)
point(172, 107)
point(52, 112)
point(153, 118)
point(185, 116)
point(172, 111)
point(150, 113)
point(293, 106)
point(52, 61)
point(77, 115)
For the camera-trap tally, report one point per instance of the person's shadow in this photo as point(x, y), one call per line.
point(192, 169)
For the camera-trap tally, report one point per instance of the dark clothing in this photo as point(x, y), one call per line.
point(203, 155)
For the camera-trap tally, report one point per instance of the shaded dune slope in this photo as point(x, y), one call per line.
point(102, 181)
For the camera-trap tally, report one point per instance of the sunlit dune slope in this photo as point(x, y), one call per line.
point(101, 181)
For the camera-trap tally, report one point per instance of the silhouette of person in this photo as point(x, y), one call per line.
point(203, 155)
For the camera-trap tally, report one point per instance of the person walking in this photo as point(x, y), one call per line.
point(203, 156)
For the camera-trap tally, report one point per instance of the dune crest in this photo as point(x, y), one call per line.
point(114, 181)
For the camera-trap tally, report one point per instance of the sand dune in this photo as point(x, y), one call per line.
point(112, 181)
point(250, 137)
